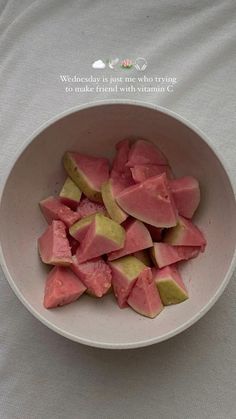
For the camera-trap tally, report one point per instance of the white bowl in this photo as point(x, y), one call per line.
point(37, 172)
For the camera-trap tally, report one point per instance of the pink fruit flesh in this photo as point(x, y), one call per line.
point(81, 232)
point(120, 181)
point(95, 169)
point(54, 246)
point(53, 209)
point(144, 152)
point(141, 172)
point(186, 194)
point(144, 297)
point(170, 272)
point(165, 254)
point(87, 207)
point(121, 176)
point(94, 245)
point(121, 157)
point(185, 234)
point(62, 287)
point(137, 238)
point(150, 201)
point(121, 286)
point(95, 274)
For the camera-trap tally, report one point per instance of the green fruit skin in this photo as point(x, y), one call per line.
point(129, 266)
point(110, 229)
point(170, 292)
point(70, 190)
point(115, 212)
point(80, 180)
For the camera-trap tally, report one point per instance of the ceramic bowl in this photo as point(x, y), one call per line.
point(37, 172)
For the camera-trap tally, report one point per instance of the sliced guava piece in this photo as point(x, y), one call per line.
point(122, 155)
point(87, 207)
point(53, 245)
point(170, 285)
point(113, 209)
point(89, 173)
point(137, 238)
point(185, 233)
point(144, 297)
point(164, 254)
point(104, 236)
point(186, 194)
point(70, 194)
point(62, 287)
point(53, 209)
point(121, 176)
point(144, 152)
point(143, 255)
point(95, 274)
point(144, 172)
point(80, 228)
point(150, 201)
point(125, 271)
point(87, 210)
point(121, 181)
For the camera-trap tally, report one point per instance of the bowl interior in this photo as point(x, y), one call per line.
point(38, 173)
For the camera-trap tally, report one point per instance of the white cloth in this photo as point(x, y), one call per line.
point(43, 375)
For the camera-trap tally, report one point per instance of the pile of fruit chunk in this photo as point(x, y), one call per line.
point(121, 229)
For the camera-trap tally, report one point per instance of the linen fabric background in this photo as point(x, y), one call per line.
point(43, 375)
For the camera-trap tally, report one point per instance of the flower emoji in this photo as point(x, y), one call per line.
point(127, 63)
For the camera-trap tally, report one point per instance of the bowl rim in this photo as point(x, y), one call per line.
point(91, 342)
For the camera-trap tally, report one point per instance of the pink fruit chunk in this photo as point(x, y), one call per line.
point(53, 209)
point(141, 172)
point(144, 297)
point(150, 201)
point(156, 233)
point(185, 233)
point(164, 254)
point(88, 173)
point(121, 181)
point(53, 245)
point(143, 152)
point(137, 238)
point(121, 157)
point(62, 287)
point(170, 285)
point(95, 274)
point(186, 194)
point(104, 236)
point(121, 176)
point(87, 207)
point(125, 272)
point(79, 230)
